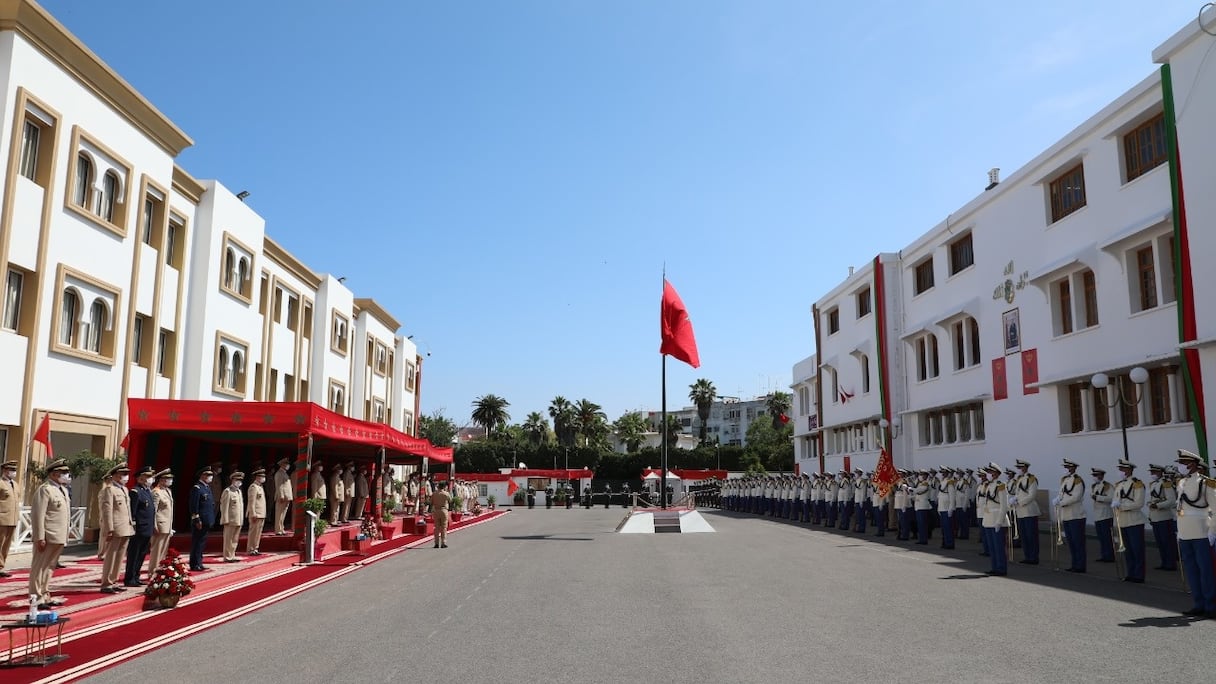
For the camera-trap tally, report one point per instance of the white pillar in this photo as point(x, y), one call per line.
point(1175, 397)
point(1087, 409)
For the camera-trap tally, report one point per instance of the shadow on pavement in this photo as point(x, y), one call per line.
point(547, 537)
point(964, 577)
point(1172, 621)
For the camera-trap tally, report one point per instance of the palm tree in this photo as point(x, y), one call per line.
point(562, 413)
point(673, 431)
point(778, 405)
point(536, 428)
point(590, 420)
point(490, 412)
point(703, 393)
point(629, 429)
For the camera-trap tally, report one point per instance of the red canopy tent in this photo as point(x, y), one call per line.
point(188, 435)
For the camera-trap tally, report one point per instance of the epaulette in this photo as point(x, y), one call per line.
point(1000, 486)
point(1210, 482)
point(1137, 484)
point(1032, 478)
point(1167, 484)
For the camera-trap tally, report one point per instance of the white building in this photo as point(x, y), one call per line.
point(805, 393)
point(997, 319)
point(729, 419)
point(126, 277)
point(1191, 75)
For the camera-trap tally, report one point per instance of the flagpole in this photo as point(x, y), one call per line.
point(663, 446)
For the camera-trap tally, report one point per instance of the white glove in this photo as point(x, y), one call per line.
point(1013, 502)
point(1212, 538)
point(1055, 502)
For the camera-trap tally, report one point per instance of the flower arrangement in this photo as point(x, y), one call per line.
point(170, 578)
point(369, 530)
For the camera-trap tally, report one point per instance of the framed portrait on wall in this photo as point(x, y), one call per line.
point(1011, 325)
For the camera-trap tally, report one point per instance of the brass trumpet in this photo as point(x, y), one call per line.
point(1059, 528)
point(1013, 525)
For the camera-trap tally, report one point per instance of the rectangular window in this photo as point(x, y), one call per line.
point(1144, 148)
point(863, 302)
point(865, 374)
point(833, 321)
point(1065, 302)
point(922, 364)
point(162, 353)
point(1076, 407)
point(1159, 395)
point(1067, 192)
point(1101, 409)
point(171, 243)
point(964, 424)
point(293, 313)
point(137, 340)
point(1146, 279)
point(961, 254)
point(933, 358)
point(149, 219)
point(923, 277)
point(30, 133)
point(1091, 298)
point(12, 299)
point(960, 346)
point(973, 327)
point(1131, 412)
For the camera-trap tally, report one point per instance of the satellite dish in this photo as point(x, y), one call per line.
point(522, 465)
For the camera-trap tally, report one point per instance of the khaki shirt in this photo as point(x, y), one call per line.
point(255, 508)
point(232, 507)
point(440, 500)
point(282, 486)
point(114, 504)
point(10, 502)
point(163, 500)
point(50, 514)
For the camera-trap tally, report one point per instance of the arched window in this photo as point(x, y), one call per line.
point(221, 367)
point(229, 268)
point(97, 322)
point(84, 180)
point(238, 368)
point(109, 190)
point(242, 274)
point(67, 318)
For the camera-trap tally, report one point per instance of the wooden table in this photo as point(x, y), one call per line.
point(34, 653)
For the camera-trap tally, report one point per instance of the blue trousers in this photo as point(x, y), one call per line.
point(1106, 543)
point(1165, 532)
point(964, 523)
point(880, 512)
point(996, 546)
point(947, 529)
point(859, 511)
point(905, 524)
point(922, 527)
point(846, 514)
point(1133, 542)
point(985, 542)
point(1197, 563)
point(1028, 530)
point(832, 512)
point(1074, 534)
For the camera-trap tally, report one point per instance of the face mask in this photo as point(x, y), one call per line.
point(237, 484)
point(208, 479)
point(122, 479)
point(65, 478)
point(10, 474)
point(261, 480)
point(168, 483)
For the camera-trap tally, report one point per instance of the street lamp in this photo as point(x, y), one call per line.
point(718, 451)
point(1139, 376)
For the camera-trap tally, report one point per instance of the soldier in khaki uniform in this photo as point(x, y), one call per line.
point(232, 515)
point(348, 489)
point(440, 501)
point(10, 504)
point(114, 506)
point(283, 495)
point(361, 492)
point(49, 529)
point(337, 495)
point(101, 540)
point(162, 496)
point(316, 481)
point(255, 511)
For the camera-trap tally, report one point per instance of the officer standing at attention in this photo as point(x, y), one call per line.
point(996, 510)
point(316, 482)
point(114, 507)
point(1197, 533)
point(1070, 506)
point(348, 489)
point(1024, 500)
point(202, 517)
point(981, 500)
point(232, 515)
point(923, 508)
point(255, 511)
point(1161, 504)
point(143, 514)
point(945, 506)
point(1129, 516)
point(162, 496)
point(49, 516)
point(337, 495)
point(283, 495)
point(10, 505)
point(1102, 493)
point(362, 490)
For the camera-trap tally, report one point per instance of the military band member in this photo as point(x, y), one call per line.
point(337, 495)
point(1025, 502)
point(362, 490)
point(861, 499)
point(903, 498)
point(958, 517)
point(1162, 502)
point(202, 517)
point(830, 497)
point(49, 517)
point(255, 512)
point(1197, 533)
point(162, 501)
point(945, 506)
point(844, 500)
point(1101, 494)
point(807, 499)
point(878, 504)
point(981, 500)
point(10, 507)
point(143, 517)
point(923, 506)
point(1070, 506)
point(1129, 517)
point(114, 507)
point(283, 495)
point(996, 510)
point(232, 515)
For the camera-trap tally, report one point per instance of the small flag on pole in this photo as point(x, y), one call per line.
point(783, 418)
point(43, 436)
point(676, 328)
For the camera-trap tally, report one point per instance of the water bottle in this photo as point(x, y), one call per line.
point(33, 608)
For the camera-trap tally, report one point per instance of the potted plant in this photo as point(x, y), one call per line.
point(83, 464)
point(520, 498)
point(456, 508)
point(388, 525)
point(491, 500)
point(169, 582)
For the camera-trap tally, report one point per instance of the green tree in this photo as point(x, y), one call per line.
point(703, 393)
point(536, 427)
point(673, 432)
point(629, 428)
point(590, 421)
point(561, 411)
point(490, 412)
point(778, 405)
point(437, 428)
point(772, 446)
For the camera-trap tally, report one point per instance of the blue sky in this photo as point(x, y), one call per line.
point(510, 178)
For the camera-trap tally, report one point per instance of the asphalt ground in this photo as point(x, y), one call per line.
point(542, 595)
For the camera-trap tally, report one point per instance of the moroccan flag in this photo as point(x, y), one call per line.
point(884, 474)
point(1000, 386)
point(1030, 371)
point(676, 328)
point(43, 436)
point(783, 418)
point(511, 487)
point(126, 439)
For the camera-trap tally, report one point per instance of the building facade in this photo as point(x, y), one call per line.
point(126, 277)
point(1041, 319)
point(729, 419)
point(805, 391)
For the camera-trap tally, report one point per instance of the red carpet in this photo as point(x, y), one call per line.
point(95, 648)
